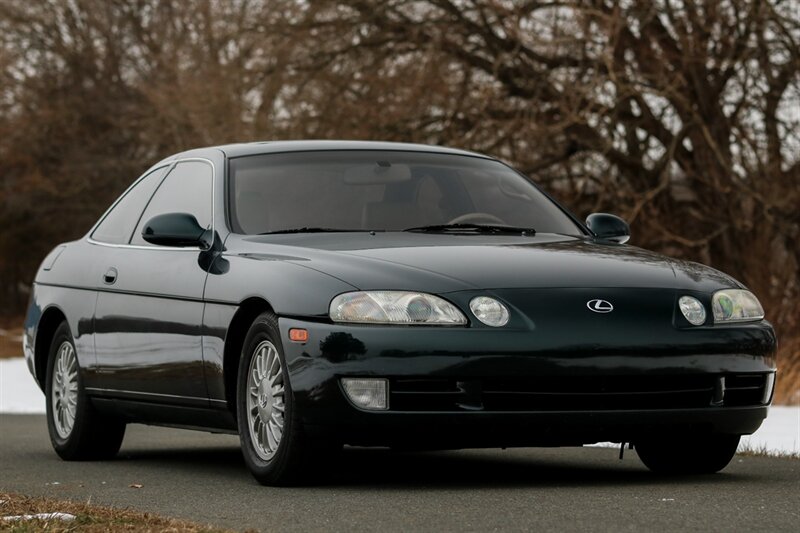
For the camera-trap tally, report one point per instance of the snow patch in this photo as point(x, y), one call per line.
point(779, 434)
point(19, 392)
point(66, 517)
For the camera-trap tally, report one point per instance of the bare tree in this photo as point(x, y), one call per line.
point(681, 115)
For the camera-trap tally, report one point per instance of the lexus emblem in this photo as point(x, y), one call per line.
point(599, 306)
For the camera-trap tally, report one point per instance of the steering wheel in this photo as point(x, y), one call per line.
point(477, 218)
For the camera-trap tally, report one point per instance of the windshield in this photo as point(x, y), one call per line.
point(383, 191)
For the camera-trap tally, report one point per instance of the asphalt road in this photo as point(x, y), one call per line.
point(202, 477)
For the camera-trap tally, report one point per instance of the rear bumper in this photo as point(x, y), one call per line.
point(554, 416)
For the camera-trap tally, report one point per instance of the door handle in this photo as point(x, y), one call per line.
point(110, 277)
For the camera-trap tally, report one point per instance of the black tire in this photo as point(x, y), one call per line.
point(706, 454)
point(296, 457)
point(93, 435)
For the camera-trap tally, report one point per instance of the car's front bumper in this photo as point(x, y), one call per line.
point(471, 387)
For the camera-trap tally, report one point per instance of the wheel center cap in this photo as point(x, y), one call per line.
point(264, 398)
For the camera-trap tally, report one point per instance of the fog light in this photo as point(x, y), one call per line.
point(768, 386)
point(367, 393)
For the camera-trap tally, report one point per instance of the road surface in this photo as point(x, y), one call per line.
point(202, 477)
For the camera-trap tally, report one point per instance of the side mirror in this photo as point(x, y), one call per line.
point(174, 229)
point(609, 227)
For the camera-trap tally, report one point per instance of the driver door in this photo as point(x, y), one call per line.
point(149, 311)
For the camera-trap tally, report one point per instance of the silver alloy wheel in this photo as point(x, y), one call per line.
point(64, 394)
point(265, 400)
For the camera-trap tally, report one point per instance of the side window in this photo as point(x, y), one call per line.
point(187, 189)
point(117, 226)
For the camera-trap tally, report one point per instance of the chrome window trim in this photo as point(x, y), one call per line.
point(171, 165)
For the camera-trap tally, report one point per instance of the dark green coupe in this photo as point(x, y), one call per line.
point(310, 295)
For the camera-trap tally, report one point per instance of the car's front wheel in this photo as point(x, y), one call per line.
point(705, 454)
point(77, 431)
point(275, 448)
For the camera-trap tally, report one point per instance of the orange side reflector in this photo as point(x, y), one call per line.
point(298, 335)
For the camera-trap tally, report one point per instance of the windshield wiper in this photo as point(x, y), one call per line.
point(311, 230)
point(497, 229)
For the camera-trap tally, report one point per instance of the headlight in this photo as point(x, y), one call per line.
point(395, 307)
point(489, 311)
point(735, 305)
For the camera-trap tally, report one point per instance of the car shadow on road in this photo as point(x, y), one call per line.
point(215, 462)
point(471, 468)
point(380, 468)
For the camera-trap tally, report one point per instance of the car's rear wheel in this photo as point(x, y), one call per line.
point(77, 431)
point(275, 448)
point(705, 454)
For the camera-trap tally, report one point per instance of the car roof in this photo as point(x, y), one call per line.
point(271, 147)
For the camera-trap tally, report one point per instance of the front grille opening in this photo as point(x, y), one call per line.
point(576, 393)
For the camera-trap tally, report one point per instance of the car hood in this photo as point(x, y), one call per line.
point(445, 262)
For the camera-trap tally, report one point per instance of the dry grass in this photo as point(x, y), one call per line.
point(10, 342)
point(763, 451)
point(90, 518)
point(787, 388)
point(10, 338)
